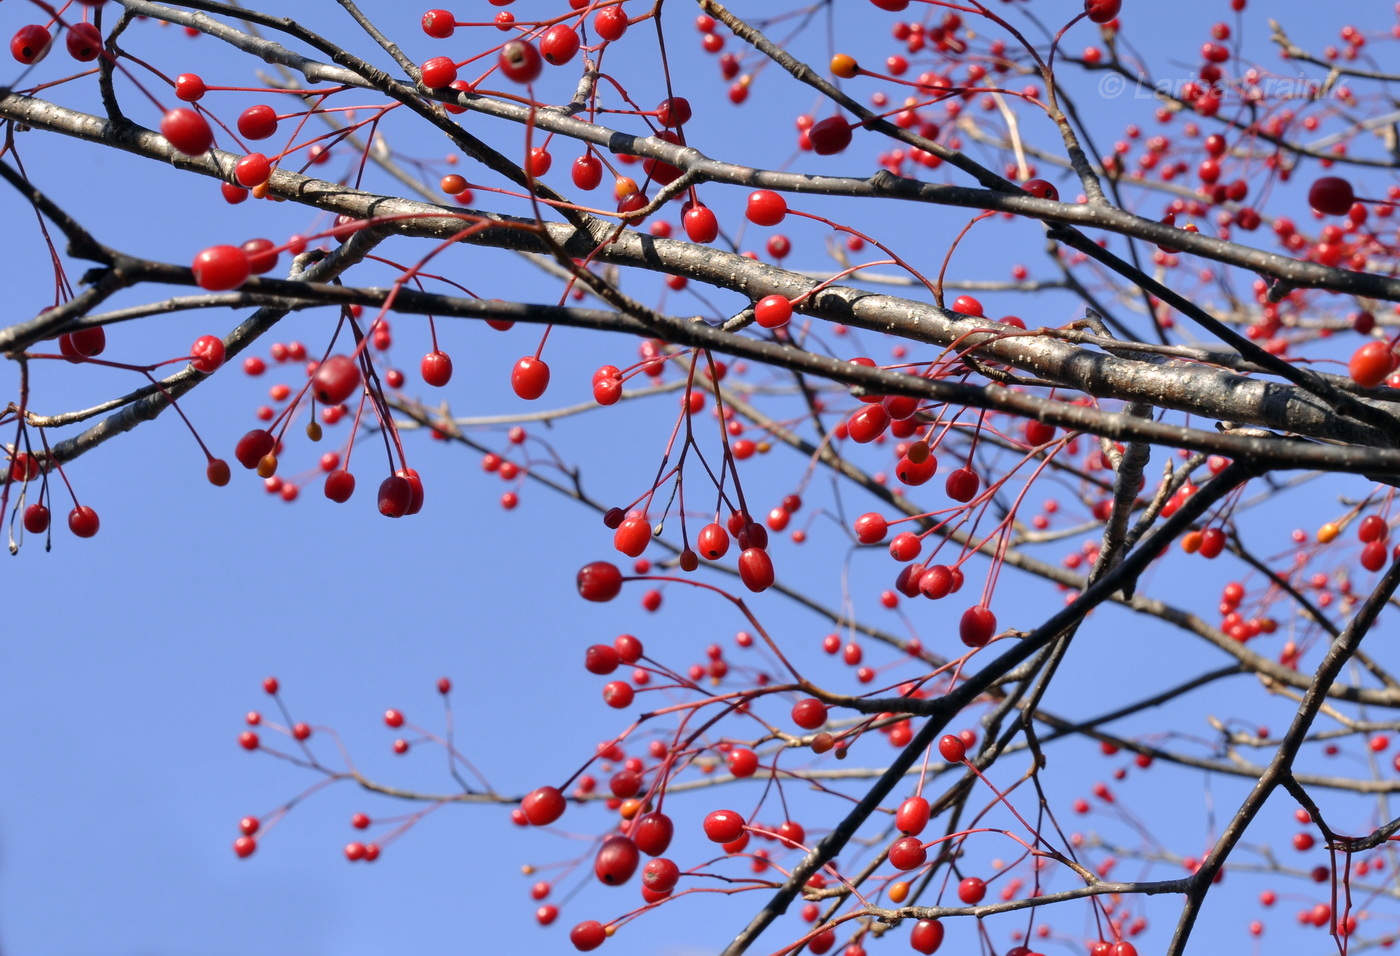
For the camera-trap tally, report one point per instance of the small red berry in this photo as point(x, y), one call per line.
point(395, 497)
point(187, 131)
point(84, 42)
point(529, 378)
point(220, 268)
point(1101, 11)
point(926, 936)
point(756, 569)
point(907, 853)
point(1332, 196)
point(207, 353)
point(766, 208)
point(31, 43)
point(82, 521)
point(599, 581)
point(543, 806)
point(439, 24)
point(809, 713)
point(723, 826)
point(257, 122)
point(438, 72)
point(588, 935)
point(436, 369)
point(335, 379)
point(520, 61)
point(559, 44)
point(36, 519)
point(977, 626)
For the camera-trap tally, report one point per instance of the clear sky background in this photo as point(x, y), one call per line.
point(128, 661)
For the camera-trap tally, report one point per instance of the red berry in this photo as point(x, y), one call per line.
point(963, 484)
point(1041, 189)
point(543, 806)
point(972, 890)
point(588, 935)
point(660, 876)
point(438, 72)
point(252, 170)
point(520, 61)
point(616, 860)
point(248, 740)
point(599, 581)
point(867, 423)
point(618, 694)
point(952, 749)
point(652, 833)
point(756, 569)
point(912, 816)
point(84, 42)
point(587, 172)
point(1332, 196)
point(335, 379)
point(1212, 542)
point(220, 268)
point(257, 122)
point(742, 762)
point(700, 223)
point(395, 496)
point(82, 521)
point(632, 536)
point(436, 369)
point(1100, 11)
point(926, 936)
point(809, 713)
point(340, 485)
point(600, 659)
point(907, 853)
point(871, 528)
point(559, 44)
point(31, 43)
point(36, 519)
point(190, 87)
point(244, 847)
point(188, 132)
point(830, 136)
point(967, 305)
point(723, 826)
point(713, 541)
point(610, 23)
point(1374, 555)
point(439, 24)
point(1371, 528)
point(207, 353)
point(772, 311)
point(1372, 363)
point(977, 626)
point(674, 111)
point(262, 255)
point(529, 378)
point(766, 208)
